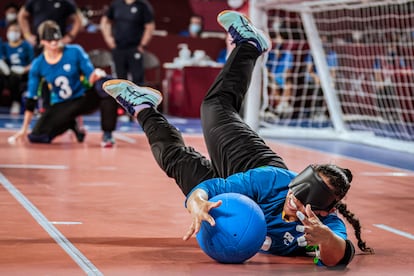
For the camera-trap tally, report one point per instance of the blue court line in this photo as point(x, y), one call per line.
point(60, 239)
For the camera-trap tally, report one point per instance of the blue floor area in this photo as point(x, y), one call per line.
point(398, 159)
point(377, 155)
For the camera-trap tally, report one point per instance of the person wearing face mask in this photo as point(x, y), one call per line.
point(300, 208)
point(75, 90)
point(10, 14)
point(19, 55)
point(195, 27)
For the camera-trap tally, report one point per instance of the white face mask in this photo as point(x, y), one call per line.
point(235, 4)
point(11, 17)
point(195, 28)
point(13, 36)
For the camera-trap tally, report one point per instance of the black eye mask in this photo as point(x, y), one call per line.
point(309, 188)
point(50, 34)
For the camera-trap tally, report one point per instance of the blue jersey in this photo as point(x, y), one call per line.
point(21, 55)
point(268, 187)
point(2, 56)
point(279, 65)
point(64, 77)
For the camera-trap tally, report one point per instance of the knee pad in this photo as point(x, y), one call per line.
point(42, 138)
point(98, 86)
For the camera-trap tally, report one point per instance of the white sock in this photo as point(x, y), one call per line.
point(140, 107)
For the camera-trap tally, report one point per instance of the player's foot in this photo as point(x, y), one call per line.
point(242, 30)
point(132, 97)
point(78, 130)
point(108, 140)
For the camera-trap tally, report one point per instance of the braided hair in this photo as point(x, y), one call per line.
point(340, 179)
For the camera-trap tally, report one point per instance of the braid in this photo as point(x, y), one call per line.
point(338, 177)
point(350, 217)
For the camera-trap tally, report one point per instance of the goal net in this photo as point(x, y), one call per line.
point(338, 69)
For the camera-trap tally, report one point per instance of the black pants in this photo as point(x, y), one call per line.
point(17, 84)
point(232, 145)
point(129, 61)
point(60, 117)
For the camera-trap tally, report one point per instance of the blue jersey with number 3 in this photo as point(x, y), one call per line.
point(63, 77)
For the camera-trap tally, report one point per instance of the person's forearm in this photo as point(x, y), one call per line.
point(146, 37)
point(76, 26)
point(105, 28)
point(333, 250)
point(28, 115)
point(23, 19)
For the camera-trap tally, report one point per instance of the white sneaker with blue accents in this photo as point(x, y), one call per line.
point(241, 30)
point(131, 96)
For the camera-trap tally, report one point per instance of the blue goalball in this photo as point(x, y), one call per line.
point(239, 232)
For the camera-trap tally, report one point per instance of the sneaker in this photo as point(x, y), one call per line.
point(242, 30)
point(108, 140)
point(131, 96)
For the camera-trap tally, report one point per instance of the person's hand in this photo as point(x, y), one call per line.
point(110, 41)
point(4, 68)
point(17, 69)
point(17, 136)
point(96, 75)
point(199, 208)
point(316, 232)
point(31, 38)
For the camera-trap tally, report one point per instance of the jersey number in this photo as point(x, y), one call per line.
point(65, 91)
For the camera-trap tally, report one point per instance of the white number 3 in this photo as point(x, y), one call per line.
point(65, 91)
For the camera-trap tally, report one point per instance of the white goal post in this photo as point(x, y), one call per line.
point(339, 69)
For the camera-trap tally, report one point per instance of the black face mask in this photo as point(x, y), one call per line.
point(309, 188)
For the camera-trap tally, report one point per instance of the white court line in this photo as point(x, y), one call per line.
point(45, 167)
point(65, 222)
point(125, 138)
point(60, 239)
point(395, 231)
point(402, 174)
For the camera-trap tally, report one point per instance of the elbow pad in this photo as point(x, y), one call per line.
point(349, 253)
point(30, 104)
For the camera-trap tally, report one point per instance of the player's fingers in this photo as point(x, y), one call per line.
point(302, 241)
point(190, 232)
point(309, 213)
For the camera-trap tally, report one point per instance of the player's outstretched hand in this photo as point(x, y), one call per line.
point(199, 208)
point(16, 137)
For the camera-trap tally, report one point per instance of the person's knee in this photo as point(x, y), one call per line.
point(39, 138)
point(98, 86)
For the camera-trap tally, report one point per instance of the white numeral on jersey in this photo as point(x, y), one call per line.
point(65, 91)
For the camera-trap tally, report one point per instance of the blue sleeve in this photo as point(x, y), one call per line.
point(308, 58)
point(335, 224)
point(332, 60)
point(85, 63)
point(2, 49)
point(34, 80)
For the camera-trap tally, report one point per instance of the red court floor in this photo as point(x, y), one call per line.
point(78, 209)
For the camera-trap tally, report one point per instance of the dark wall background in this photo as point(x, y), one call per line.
point(170, 15)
